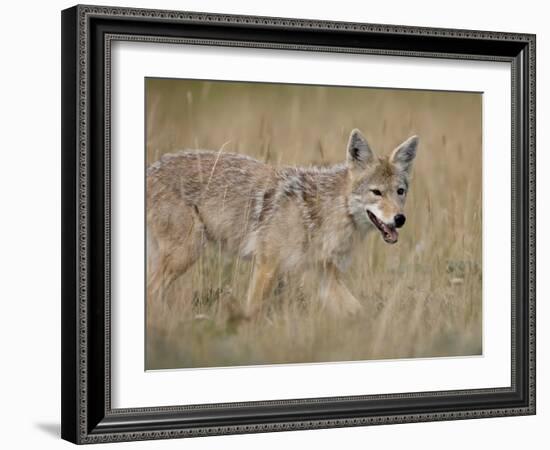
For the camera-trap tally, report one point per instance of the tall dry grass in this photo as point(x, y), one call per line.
point(421, 297)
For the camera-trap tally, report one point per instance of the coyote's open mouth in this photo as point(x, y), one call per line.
point(389, 233)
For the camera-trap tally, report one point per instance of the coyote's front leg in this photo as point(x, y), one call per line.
point(334, 294)
point(260, 286)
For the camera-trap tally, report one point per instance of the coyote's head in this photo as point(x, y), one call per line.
point(379, 185)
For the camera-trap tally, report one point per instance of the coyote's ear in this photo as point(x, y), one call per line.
point(359, 152)
point(403, 156)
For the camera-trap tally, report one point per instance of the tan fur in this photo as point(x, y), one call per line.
point(286, 219)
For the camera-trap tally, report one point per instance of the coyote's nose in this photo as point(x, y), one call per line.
point(399, 220)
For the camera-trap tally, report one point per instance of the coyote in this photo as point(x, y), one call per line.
point(285, 219)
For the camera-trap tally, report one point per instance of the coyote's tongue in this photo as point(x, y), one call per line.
point(390, 234)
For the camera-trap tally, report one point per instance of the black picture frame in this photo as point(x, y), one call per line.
point(87, 32)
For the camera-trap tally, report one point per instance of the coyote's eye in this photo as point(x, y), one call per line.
point(376, 192)
point(400, 191)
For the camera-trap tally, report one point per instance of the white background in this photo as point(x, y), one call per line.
point(30, 328)
point(132, 387)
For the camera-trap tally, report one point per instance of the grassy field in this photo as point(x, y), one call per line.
point(421, 297)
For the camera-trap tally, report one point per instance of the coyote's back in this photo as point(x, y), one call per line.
point(213, 188)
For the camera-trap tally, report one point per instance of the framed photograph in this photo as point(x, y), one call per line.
point(279, 224)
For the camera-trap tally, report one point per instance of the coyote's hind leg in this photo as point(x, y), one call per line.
point(179, 238)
